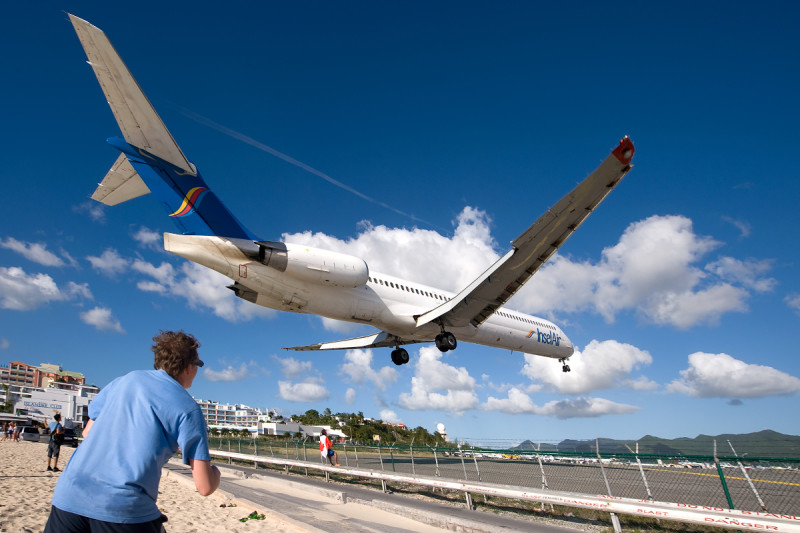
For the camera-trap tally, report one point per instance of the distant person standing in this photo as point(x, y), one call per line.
point(136, 423)
point(56, 440)
point(326, 448)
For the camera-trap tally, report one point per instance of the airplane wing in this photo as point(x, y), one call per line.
point(381, 339)
point(492, 289)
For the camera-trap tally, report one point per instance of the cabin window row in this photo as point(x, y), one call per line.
point(408, 289)
point(526, 320)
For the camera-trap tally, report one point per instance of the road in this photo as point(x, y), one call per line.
point(315, 505)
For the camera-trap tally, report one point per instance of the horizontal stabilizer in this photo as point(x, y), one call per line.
point(121, 184)
point(140, 124)
point(381, 339)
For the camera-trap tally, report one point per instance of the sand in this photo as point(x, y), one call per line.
point(26, 489)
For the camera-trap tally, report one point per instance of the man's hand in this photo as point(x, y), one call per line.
point(206, 476)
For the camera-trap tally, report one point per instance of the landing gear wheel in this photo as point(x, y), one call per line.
point(446, 341)
point(399, 356)
point(565, 367)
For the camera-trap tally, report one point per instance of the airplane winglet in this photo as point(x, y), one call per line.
point(140, 124)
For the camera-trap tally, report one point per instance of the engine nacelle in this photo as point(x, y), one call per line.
point(314, 265)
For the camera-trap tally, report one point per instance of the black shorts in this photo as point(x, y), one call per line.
point(53, 449)
point(66, 522)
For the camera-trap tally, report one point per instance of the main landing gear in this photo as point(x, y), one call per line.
point(565, 366)
point(446, 341)
point(399, 356)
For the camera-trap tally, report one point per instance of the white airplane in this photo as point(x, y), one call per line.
point(301, 279)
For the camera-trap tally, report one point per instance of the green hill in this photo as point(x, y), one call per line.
point(765, 443)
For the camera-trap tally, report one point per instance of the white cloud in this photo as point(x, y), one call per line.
point(358, 367)
point(586, 408)
point(742, 226)
point(722, 376)
point(34, 251)
point(229, 373)
point(387, 415)
point(437, 385)
point(102, 319)
point(748, 273)
point(163, 273)
point(201, 288)
point(110, 263)
point(22, 292)
point(599, 366)
point(418, 254)
point(350, 396)
point(149, 238)
point(307, 391)
point(95, 210)
point(653, 270)
point(292, 368)
point(793, 301)
point(517, 402)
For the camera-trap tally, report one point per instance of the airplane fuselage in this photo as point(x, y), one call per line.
point(341, 287)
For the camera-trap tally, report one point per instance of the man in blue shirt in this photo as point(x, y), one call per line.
point(137, 422)
point(54, 446)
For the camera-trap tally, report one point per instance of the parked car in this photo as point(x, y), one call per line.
point(70, 437)
point(29, 433)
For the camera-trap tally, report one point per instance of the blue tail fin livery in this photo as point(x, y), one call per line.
point(153, 161)
point(298, 278)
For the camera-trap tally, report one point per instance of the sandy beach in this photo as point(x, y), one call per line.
point(26, 489)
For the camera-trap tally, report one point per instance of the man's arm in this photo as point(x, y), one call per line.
point(206, 476)
point(85, 432)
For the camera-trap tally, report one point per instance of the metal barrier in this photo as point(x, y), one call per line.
point(765, 491)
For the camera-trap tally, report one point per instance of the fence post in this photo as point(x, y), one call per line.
point(747, 477)
point(305, 458)
point(722, 478)
point(474, 458)
point(541, 469)
point(356, 452)
point(411, 450)
point(463, 466)
point(614, 517)
point(436, 460)
point(641, 470)
point(391, 454)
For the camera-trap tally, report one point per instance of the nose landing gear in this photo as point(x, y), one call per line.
point(565, 367)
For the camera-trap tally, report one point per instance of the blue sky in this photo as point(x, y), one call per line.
point(461, 123)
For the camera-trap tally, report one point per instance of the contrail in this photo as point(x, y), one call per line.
point(272, 151)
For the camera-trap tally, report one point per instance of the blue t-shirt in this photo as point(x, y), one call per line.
point(140, 420)
point(54, 426)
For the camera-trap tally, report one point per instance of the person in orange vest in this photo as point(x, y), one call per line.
point(326, 448)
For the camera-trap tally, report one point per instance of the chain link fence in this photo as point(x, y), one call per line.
point(757, 484)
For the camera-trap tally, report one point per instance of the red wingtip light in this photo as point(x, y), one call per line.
point(624, 152)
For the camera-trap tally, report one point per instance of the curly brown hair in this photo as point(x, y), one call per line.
point(174, 351)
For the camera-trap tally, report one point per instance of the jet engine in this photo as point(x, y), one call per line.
point(314, 265)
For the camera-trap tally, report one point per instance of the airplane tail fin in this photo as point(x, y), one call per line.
point(151, 160)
